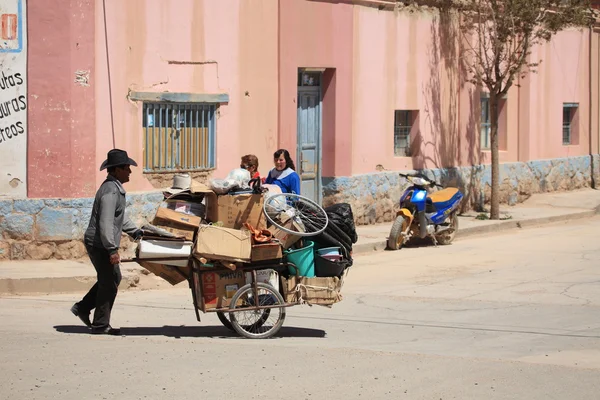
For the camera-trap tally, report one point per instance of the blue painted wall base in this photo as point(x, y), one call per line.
point(53, 228)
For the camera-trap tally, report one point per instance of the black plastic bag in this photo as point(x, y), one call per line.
point(341, 215)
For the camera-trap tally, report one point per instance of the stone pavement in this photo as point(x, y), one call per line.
point(64, 276)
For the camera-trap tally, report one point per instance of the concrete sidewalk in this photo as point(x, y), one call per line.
point(539, 209)
point(56, 276)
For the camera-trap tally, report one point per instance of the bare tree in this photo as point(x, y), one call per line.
point(497, 39)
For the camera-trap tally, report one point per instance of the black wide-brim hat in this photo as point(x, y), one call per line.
point(116, 158)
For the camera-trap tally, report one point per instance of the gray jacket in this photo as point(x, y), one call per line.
point(108, 218)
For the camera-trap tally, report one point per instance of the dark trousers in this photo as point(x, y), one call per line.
point(101, 296)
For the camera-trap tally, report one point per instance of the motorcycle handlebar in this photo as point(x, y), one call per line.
point(432, 183)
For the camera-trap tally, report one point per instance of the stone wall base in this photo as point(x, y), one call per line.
point(40, 229)
point(374, 197)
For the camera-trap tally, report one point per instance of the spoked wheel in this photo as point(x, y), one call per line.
point(257, 324)
point(227, 323)
point(308, 215)
point(223, 318)
point(396, 238)
point(447, 237)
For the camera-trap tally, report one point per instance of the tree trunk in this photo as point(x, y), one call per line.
point(494, 147)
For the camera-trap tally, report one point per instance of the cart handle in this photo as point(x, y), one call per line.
point(136, 259)
point(293, 266)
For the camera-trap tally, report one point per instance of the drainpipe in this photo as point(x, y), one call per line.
point(112, 118)
point(593, 180)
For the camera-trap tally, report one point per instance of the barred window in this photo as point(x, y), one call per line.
point(178, 137)
point(486, 125)
point(569, 127)
point(403, 124)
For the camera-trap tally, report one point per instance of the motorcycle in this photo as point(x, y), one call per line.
point(424, 214)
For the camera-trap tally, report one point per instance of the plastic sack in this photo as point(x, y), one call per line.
point(341, 215)
point(240, 176)
point(222, 186)
point(271, 191)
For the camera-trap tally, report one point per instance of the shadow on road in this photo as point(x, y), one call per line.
point(416, 242)
point(192, 331)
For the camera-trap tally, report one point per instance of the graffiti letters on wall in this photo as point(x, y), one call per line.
point(13, 99)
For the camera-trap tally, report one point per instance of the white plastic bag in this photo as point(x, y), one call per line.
point(222, 186)
point(240, 176)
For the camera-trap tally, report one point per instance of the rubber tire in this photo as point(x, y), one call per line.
point(330, 241)
point(396, 233)
point(225, 321)
point(309, 204)
point(329, 236)
point(445, 241)
point(227, 324)
point(338, 233)
point(239, 329)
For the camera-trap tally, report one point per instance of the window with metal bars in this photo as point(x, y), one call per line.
point(403, 124)
point(179, 137)
point(486, 125)
point(568, 126)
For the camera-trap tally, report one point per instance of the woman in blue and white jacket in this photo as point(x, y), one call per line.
point(284, 174)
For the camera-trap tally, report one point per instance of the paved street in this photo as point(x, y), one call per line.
point(505, 316)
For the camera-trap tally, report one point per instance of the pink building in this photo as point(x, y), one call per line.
point(355, 90)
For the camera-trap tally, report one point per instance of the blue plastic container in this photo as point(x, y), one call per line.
point(329, 251)
point(303, 258)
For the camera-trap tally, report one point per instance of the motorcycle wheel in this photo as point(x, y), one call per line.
point(396, 239)
point(447, 237)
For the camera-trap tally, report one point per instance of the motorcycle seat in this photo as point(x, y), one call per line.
point(442, 196)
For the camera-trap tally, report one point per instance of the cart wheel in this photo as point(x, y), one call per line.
point(223, 318)
point(264, 299)
point(257, 324)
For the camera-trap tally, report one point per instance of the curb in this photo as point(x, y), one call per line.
point(132, 279)
point(56, 285)
point(364, 248)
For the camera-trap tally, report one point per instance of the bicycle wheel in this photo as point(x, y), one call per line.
point(308, 215)
point(257, 324)
point(223, 318)
point(227, 324)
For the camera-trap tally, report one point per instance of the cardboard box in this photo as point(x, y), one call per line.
point(217, 243)
point(234, 210)
point(266, 251)
point(171, 274)
point(174, 217)
point(187, 207)
point(179, 230)
point(268, 276)
point(286, 239)
point(322, 291)
point(219, 288)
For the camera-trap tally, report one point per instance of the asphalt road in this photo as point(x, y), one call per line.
point(510, 316)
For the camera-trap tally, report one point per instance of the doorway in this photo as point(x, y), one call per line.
point(309, 133)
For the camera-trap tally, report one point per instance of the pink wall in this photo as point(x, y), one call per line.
point(405, 62)
point(376, 61)
point(318, 35)
point(61, 118)
point(563, 77)
point(226, 47)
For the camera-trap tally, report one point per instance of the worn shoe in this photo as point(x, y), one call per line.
point(109, 330)
point(84, 317)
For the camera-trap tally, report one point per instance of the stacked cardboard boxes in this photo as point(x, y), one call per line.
point(217, 231)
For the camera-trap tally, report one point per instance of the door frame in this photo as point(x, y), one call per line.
point(319, 152)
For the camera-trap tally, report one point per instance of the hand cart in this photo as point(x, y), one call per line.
point(257, 310)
